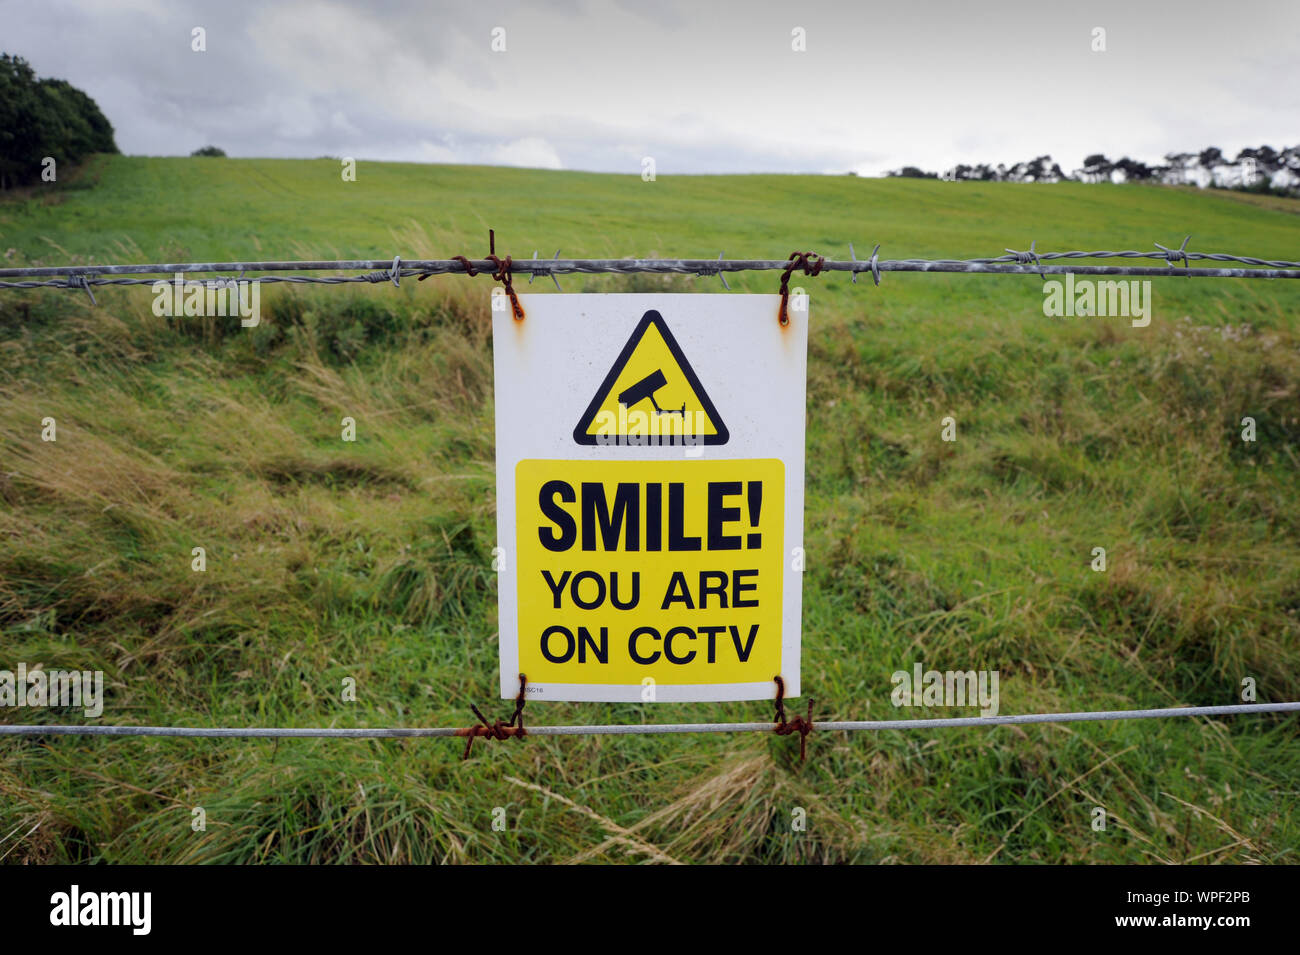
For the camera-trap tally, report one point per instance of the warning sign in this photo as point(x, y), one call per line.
point(630, 570)
point(649, 371)
point(649, 496)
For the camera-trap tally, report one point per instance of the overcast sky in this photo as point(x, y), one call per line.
point(700, 86)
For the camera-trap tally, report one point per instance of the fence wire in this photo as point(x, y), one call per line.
point(640, 729)
point(374, 271)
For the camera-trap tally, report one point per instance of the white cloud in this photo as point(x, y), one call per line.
point(531, 151)
point(700, 87)
point(438, 152)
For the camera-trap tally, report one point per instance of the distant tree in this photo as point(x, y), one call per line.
point(87, 129)
point(1210, 157)
point(1097, 166)
point(912, 172)
point(1266, 156)
point(209, 151)
point(1040, 168)
point(23, 120)
point(1178, 168)
point(1133, 169)
point(44, 118)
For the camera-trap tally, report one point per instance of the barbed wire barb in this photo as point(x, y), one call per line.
point(1173, 255)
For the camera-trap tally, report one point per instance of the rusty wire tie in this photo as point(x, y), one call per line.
point(502, 273)
point(800, 724)
point(498, 729)
point(811, 263)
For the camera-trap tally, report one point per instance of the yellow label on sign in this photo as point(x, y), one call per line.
point(651, 396)
point(670, 570)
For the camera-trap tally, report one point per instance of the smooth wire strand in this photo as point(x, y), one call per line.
point(643, 729)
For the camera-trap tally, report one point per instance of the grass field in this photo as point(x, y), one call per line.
point(371, 559)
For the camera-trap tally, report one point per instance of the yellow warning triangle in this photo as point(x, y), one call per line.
point(651, 396)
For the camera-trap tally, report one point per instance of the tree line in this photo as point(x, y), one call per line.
point(1255, 168)
point(44, 119)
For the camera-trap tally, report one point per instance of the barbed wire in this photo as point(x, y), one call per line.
point(375, 271)
point(640, 729)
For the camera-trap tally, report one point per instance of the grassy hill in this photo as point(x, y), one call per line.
point(371, 560)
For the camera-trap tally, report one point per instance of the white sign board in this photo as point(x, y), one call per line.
point(650, 484)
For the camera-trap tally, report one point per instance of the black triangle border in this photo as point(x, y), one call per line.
point(651, 317)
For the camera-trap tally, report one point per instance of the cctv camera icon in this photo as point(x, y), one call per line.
point(646, 388)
